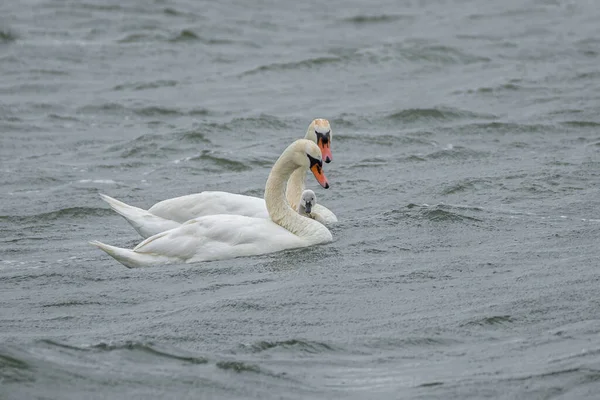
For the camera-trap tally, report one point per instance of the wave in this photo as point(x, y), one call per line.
point(581, 124)
point(387, 140)
point(13, 369)
point(148, 348)
point(187, 35)
point(468, 185)
point(145, 146)
point(192, 136)
point(7, 36)
point(506, 127)
point(147, 85)
point(308, 63)
point(238, 366)
point(492, 320)
point(377, 19)
point(440, 213)
point(62, 214)
point(183, 36)
point(294, 345)
point(392, 343)
point(149, 111)
point(420, 52)
point(439, 114)
point(223, 163)
point(458, 153)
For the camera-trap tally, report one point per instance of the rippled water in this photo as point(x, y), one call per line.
point(466, 164)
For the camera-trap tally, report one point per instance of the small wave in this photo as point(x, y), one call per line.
point(238, 366)
point(154, 111)
point(136, 37)
point(65, 213)
point(250, 127)
point(146, 85)
point(439, 114)
point(377, 19)
point(147, 348)
point(592, 75)
point(150, 111)
point(373, 162)
point(390, 343)
point(188, 35)
point(303, 346)
point(437, 54)
point(439, 215)
point(172, 12)
point(495, 90)
point(436, 214)
point(493, 320)
point(342, 122)
point(7, 36)
point(102, 181)
point(185, 35)
point(308, 63)
point(13, 370)
point(430, 384)
point(101, 7)
point(71, 303)
point(507, 127)
point(224, 163)
point(581, 124)
point(467, 185)
point(457, 152)
point(387, 140)
point(242, 306)
point(145, 146)
point(62, 117)
point(192, 136)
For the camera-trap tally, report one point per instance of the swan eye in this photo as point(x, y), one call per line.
point(323, 137)
point(314, 161)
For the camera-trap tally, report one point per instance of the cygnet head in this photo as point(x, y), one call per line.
point(319, 132)
point(307, 202)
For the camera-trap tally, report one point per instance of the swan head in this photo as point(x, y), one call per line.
point(319, 132)
point(307, 201)
point(308, 155)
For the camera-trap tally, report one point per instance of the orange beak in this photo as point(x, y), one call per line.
point(320, 175)
point(325, 151)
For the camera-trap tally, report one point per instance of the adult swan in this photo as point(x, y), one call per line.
point(222, 236)
point(171, 213)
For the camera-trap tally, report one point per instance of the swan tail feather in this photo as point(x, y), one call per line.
point(133, 259)
point(144, 222)
point(125, 256)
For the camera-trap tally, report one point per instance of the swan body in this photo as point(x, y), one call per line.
point(224, 236)
point(170, 213)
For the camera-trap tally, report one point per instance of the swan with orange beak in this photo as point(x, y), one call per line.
point(171, 213)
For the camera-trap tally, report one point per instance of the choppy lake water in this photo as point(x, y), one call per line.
point(465, 177)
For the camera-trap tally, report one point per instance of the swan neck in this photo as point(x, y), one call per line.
point(278, 207)
point(295, 187)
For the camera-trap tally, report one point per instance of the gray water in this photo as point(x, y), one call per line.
point(466, 165)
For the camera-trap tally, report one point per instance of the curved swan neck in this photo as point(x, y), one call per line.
point(279, 209)
point(276, 202)
point(295, 187)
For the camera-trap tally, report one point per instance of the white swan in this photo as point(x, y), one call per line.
point(218, 237)
point(307, 203)
point(170, 213)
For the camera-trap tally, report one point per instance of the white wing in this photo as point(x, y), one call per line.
point(217, 237)
point(184, 208)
